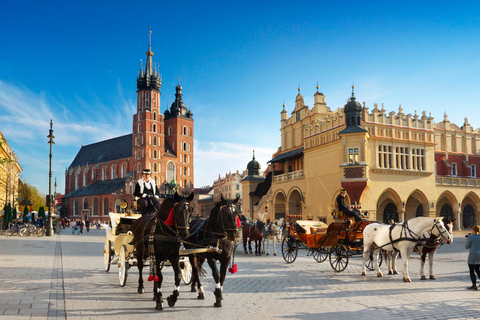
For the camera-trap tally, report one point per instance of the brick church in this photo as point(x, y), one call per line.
point(103, 174)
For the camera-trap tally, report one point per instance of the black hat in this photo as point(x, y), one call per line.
point(146, 171)
point(343, 191)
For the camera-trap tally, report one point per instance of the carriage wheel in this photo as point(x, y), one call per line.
point(122, 266)
point(186, 269)
point(339, 257)
point(107, 254)
point(369, 262)
point(320, 254)
point(289, 249)
point(24, 232)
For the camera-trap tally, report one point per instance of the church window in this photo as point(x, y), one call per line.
point(95, 206)
point(154, 116)
point(84, 179)
point(184, 131)
point(139, 128)
point(146, 99)
point(154, 141)
point(76, 181)
point(123, 170)
point(185, 183)
point(154, 154)
point(170, 171)
point(85, 204)
point(75, 208)
point(454, 170)
point(473, 171)
point(154, 128)
point(105, 206)
point(154, 167)
point(169, 131)
point(185, 158)
point(103, 173)
point(93, 173)
point(112, 172)
point(185, 171)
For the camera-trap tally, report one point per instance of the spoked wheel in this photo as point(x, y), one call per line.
point(40, 232)
point(24, 232)
point(186, 269)
point(122, 266)
point(339, 257)
point(289, 249)
point(320, 254)
point(107, 254)
point(369, 262)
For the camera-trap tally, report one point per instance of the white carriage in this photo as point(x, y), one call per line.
point(119, 250)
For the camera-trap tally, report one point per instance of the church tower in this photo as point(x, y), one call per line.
point(179, 140)
point(148, 125)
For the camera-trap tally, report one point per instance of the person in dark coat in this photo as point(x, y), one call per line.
point(346, 209)
point(473, 245)
point(146, 193)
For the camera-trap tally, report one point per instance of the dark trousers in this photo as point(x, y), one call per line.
point(148, 205)
point(353, 214)
point(474, 268)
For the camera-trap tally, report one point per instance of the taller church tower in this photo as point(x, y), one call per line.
point(148, 124)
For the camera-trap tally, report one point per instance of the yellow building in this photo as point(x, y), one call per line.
point(393, 165)
point(9, 171)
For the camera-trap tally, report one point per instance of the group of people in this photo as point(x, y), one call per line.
point(78, 226)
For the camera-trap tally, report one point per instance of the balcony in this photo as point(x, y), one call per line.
point(288, 176)
point(457, 181)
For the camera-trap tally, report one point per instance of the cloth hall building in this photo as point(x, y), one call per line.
point(393, 165)
point(104, 174)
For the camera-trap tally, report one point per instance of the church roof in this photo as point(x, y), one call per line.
point(99, 187)
point(107, 150)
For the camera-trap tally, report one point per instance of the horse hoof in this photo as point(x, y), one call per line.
point(268, 254)
point(432, 278)
point(406, 279)
point(395, 272)
point(274, 254)
point(379, 275)
point(423, 278)
point(171, 302)
point(390, 272)
point(141, 290)
point(159, 306)
point(363, 273)
point(201, 296)
point(193, 290)
point(218, 304)
point(246, 252)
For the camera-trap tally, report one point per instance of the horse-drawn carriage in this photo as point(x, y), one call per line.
point(119, 248)
point(338, 241)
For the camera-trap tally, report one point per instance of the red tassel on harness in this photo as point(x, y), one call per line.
point(170, 220)
point(155, 279)
point(239, 224)
point(233, 269)
point(150, 278)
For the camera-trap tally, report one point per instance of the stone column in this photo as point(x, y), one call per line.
point(401, 215)
point(458, 215)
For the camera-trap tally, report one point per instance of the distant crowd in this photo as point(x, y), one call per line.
point(78, 225)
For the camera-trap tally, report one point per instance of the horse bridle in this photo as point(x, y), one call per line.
point(232, 210)
point(440, 231)
point(187, 205)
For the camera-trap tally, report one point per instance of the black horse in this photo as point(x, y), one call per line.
point(164, 231)
point(220, 229)
point(253, 232)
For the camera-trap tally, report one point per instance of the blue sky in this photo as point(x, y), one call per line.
point(76, 62)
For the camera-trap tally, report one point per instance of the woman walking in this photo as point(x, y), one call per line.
point(473, 245)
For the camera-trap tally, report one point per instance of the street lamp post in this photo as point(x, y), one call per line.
point(54, 196)
point(49, 230)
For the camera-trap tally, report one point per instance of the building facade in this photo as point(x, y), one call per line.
point(104, 174)
point(9, 171)
point(393, 165)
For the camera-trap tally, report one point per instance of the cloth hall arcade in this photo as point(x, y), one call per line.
point(393, 165)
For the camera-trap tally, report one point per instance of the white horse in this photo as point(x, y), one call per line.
point(401, 237)
point(427, 247)
point(274, 232)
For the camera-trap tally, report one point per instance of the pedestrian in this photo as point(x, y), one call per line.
point(81, 226)
point(73, 224)
point(77, 227)
point(87, 225)
point(473, 245)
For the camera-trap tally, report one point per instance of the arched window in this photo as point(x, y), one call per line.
point(146, 100)
point(95, 206)
point(154, 154)
point(185, 171)
point(154, 128)
point(84, 179)
point(169, 131)
point(85, 204)
point(93, 174)
point(446, 211)
point(185, 158)
point(184, 131)
point(123, 170)
point(112, 172)
point(105, 206)
point(75, 208)
point(139, 167)
point(184, 183)
point(154, 167)
point(154, 116)
point(103, 173)
point(170, 171)
point(154, 141)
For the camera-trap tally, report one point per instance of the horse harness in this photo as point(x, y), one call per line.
point(405, 237)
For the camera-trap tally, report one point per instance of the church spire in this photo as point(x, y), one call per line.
point(149, 65)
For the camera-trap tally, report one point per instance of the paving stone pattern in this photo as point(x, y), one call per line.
point(62, 277)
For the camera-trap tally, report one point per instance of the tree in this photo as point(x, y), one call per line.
point(27, 191)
